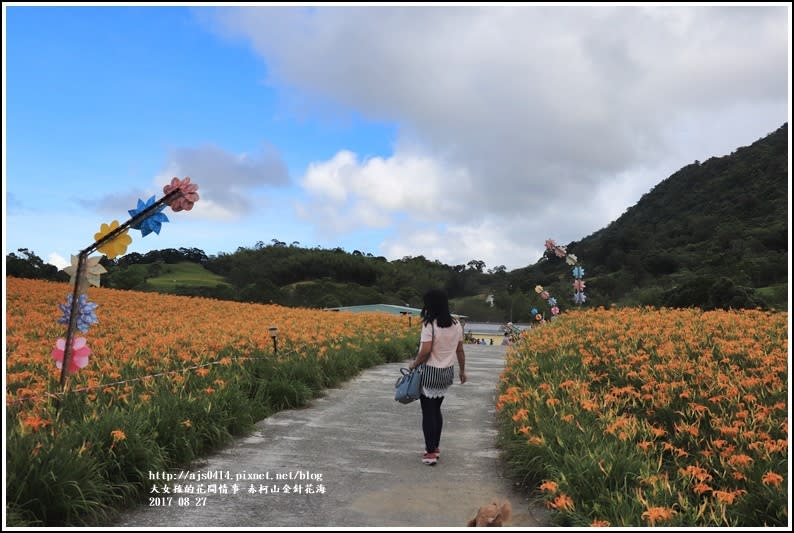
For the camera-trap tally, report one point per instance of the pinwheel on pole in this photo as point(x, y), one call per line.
point(578, 284)
point(71, 353)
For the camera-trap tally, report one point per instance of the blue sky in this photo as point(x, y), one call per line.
point(455, 133)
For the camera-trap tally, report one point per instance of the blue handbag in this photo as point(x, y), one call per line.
point(409, 385)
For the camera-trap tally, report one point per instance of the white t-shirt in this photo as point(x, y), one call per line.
point(445, 343)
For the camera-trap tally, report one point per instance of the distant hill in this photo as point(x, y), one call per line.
point(713, 235)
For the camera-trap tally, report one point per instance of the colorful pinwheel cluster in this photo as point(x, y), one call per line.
point(85, 310)
point(147, 217)
point(561, 252)
point(578, 284)
point(513, 332)
point(537, 315)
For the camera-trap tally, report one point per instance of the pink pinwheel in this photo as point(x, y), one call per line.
point(555, 310)
point(560, 251)
point(78, 357)
point(550, 245)
point(578, 285)
point(545, 295)
point(189, 194)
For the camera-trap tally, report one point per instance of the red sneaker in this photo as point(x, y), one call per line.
point(430, 458)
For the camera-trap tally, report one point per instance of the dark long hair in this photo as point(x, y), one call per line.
point(436, 308)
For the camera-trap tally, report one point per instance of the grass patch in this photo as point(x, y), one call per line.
point(776, 296)
point(186, 274)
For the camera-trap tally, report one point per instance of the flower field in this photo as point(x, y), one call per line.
point(168, 379)
point(643, 417)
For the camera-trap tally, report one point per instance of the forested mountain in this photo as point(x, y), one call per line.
point(713, 235)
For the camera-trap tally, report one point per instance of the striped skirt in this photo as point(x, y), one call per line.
point(436, 381)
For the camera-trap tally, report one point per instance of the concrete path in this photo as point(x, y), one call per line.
point(354, 457)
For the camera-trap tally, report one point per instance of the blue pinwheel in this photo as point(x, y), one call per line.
point(86, 312)
point(153, 222)
point(579, 298)
point(552, 302)
point(578, 272)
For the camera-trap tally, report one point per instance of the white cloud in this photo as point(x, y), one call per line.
point(211, 210)
point(550, 118)
point(55, 259)
point(346, 193)
point(493, 241)
point(328, 179)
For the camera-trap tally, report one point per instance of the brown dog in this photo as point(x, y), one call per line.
point(492, 515)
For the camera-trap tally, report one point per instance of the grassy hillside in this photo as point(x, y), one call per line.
point(185, 274)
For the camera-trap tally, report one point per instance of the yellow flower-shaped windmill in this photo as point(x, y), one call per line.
point(118, 245)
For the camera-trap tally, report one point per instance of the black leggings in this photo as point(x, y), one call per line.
point(432, 421)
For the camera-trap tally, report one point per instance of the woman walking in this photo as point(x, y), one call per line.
point(441, 342)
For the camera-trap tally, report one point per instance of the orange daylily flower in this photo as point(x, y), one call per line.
point(521, 414)
point(728, 497)
point(740, 460)
point(34, 422)
point(772, 478)
point(700, 488)
point(563, 502)
point(658, 514)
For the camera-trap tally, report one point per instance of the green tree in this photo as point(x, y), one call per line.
point(29, 265)
point(126, 278)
